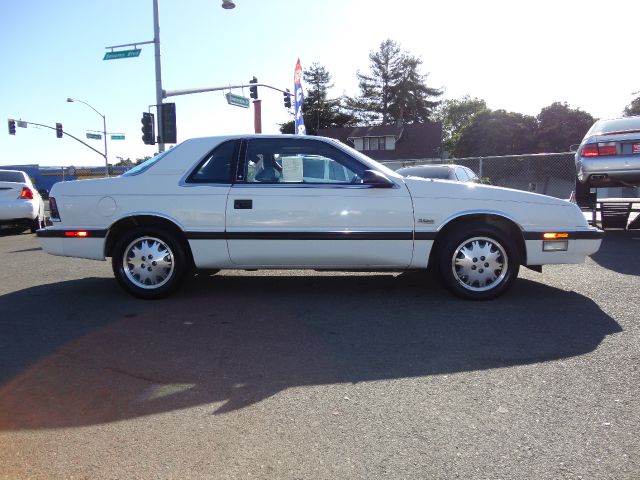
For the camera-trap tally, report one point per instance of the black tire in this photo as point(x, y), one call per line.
point(157, 271)
point(479, 262)
point(36, 224)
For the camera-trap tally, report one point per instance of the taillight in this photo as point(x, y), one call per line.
point(26, 194)
point(77, 233)
point(53, 208)
point(600, 149)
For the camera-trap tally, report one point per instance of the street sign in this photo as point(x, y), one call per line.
point(237, 100)
point(117, 137)
point(94, 136)
point(21, 124)
point(122, 54)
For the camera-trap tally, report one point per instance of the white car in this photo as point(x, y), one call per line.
point(20, 203)
point(247, 202)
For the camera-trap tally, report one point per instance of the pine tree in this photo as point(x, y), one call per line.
point(394, 90)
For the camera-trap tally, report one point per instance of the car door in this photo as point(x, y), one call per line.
point(300, 202)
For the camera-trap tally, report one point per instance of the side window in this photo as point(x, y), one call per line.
point(461, 174)
point(472, 176)
point(299, 161)
point(216, 167)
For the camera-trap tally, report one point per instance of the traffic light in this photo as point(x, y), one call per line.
point(253, 90)
point(148, 134)
point(59, 130)
point(167, 122)
point(12, 127)
point(287, 99)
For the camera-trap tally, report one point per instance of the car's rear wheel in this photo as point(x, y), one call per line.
point(36, 224)
point(149, 262)
point(478, 263)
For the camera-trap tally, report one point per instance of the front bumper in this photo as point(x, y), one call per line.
point(581, 244)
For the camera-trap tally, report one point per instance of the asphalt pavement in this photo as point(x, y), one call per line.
point(296, 374)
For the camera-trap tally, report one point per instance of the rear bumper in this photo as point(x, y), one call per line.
point(56, 242)
point(609, 171)
point(18, 211)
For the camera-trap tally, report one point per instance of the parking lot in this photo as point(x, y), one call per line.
point(296, 374)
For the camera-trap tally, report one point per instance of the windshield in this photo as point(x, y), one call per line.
point(9, 176)
point(603, 127)
point(145, 165)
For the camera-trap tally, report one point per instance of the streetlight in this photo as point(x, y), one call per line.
point(104, 132)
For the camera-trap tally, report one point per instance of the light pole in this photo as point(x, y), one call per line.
point(104, 132)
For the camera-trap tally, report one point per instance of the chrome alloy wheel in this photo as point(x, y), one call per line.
point(479, 264)
point(148, 262)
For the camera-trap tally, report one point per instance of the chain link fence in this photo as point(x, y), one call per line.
point(551, 174)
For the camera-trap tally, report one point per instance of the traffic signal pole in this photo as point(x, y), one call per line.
point(156, 44)
point(64, 133)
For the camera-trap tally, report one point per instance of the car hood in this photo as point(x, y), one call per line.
point(529, 210)
point(426, 187)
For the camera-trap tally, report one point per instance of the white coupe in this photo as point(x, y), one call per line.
point(277, 202)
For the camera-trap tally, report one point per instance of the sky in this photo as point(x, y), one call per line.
point(517, 56)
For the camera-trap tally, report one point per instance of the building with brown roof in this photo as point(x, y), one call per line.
point(392, 142)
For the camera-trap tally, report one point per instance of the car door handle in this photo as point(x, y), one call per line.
point(243, 204)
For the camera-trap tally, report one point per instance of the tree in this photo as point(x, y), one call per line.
point(633, 108)
point(496, 133)
point(455, 115)
point(318, 110)
point(394, 90)
point(560, 126)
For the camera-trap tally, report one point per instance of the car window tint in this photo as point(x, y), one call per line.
point(298, 161)
point(216, 167)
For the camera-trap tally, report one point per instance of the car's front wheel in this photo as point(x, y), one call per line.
point(149, 262)
point(478, 263)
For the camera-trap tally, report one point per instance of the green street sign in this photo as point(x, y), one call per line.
point(117, 137)
point(94, 136)
point(237, 100)
point(122, 54)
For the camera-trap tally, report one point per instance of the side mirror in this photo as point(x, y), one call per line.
point(574, 147)
point(376, 179)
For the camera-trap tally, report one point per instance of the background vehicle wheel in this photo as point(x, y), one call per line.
point(149, 262)
point(478, 263)
point(37, 223)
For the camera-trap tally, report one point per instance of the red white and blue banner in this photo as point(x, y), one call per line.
point(297, 83)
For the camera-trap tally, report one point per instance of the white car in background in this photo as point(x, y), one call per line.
point(20, 203)
point(279, 202)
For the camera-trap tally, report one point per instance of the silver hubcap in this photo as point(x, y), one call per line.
point(479, 264)
point(148, 262)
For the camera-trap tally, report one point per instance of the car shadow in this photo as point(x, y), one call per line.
point(619, 252)
point(229, 341)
